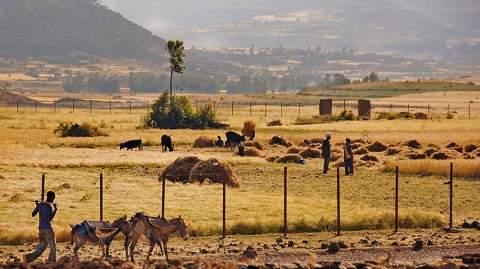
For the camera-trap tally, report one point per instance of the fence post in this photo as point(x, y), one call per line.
point(428, 111)
point(101, 196)
point(344, 105)
point(73, 106)
point(448, 110)
point(214, 106)
point(319, 108)
point(298, 109)
point(390, 109)
point(232, 107)
point(396, 199)
point(451, 196)
point(338, 201)
point(285, 226)
point(110, 106)
point(17, 106)
point(42, 196)
point(281, 109)
point(469, 111)
point(250, 108)
point(224, 230)
point(90, 106)
point(163, 193)
point(130, 103)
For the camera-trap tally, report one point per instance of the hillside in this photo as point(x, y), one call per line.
point(79, 28)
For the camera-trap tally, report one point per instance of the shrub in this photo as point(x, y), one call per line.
point(66, 129)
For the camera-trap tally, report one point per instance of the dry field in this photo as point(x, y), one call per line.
point(72, 167)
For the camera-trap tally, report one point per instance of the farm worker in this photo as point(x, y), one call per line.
point(46, 234)
point(326, 151)
point(348, 157)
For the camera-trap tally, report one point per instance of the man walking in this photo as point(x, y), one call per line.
point(326, 151)
point(45, 234)
point(348, 157)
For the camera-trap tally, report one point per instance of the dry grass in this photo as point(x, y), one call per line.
point(461, 168)
point(204, 142)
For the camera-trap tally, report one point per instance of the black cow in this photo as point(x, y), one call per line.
point(167, 143)
point(130, 144)
point(233, 139)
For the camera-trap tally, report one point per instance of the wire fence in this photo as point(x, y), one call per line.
point(275, 108)
point(339, 192)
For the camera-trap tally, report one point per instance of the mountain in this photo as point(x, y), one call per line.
point(78, 28)
point(448, 30)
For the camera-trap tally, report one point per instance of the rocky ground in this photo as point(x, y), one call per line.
point(366, 249)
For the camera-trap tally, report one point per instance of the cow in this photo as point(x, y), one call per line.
point(130, 144)
point(233, 139)
point(167, 143)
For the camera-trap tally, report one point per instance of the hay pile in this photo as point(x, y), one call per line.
point(470, 147)
point(294, 150)
point(415, 155)
point(275, 123)
point(310, 153)
point(179, 170)
point(254, 144)
point(291, 158)
point(272, 158)
point(377, 147)
point(215, 171)
point(412, 144)
point(204, 142)
point(249, 129)
point(360, 151)
point(393, 151)
point(277, 140)
point(371, 158)
point(251, 152)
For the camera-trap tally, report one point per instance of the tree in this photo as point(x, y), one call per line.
point(177, 65)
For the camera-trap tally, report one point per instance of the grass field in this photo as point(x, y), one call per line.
point(72, 167)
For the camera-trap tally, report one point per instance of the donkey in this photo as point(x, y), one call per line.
point(81, 235)
point(162, 230)
point(147, 236)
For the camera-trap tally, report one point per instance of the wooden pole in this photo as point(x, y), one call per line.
point(396, 199)
point(232, 107)
point(451, 196)
point(285, 226)
point(17, 106)
point(101, 196)
point(338, 201)
point(281, 109)
point(265, 108)
point(224, 216)
point(344, 105)
point(42, 196)
point(298, 109)
point(163, 193)
point(390, 109)
point(73, 106)
point(110, 106)
point(214, 106)
point(90, 106)
point(468, 111)
point(250, 108)
point(428, 111)
point(319, 108)
point(130, 103)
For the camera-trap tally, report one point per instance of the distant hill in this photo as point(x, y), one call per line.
point(78, 28)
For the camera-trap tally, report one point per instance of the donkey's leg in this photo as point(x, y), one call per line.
point(165, 240)
point(101, 244)
point(79, 244)
point(133, 243)
point(128, 239)
point(159, 243)
point(152, 245)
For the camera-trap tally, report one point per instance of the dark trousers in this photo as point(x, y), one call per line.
point(348, 166)
point(326, 162)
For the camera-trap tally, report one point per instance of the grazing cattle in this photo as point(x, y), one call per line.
point(233, 139)
point(219, 142)
point(167, 143)
point(132, 144)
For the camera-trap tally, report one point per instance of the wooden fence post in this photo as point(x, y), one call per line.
point(396, 199)
point(101, 196)
point(55, 106)
point(281, 109)
point(224, 216)
point(163, 193)
point(232, 107)
point(285, 189)
point(338, 201)
point(110, 106)
point(73, 105)
point(17, 106)
point(250, 108)
point(42, 196)
point(451, 197)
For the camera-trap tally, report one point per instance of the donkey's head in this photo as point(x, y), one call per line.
point(182, 227)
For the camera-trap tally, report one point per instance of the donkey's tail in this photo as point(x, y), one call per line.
point(74, 229)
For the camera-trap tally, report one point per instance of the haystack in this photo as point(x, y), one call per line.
point(310, 153)
point(377, 147)
point(204, 142)
point(277, 140)
point(470, 147)
point(272, 158)
point(215, 171)
point(368, 157)
point(430, 151)
point(361, 141)
point(356, 145)
point(393, 151)
point(316, 140)
point(254, 144)
point(291, 158)
point(275, 123)
point(336, 156)
point(420, 116)
point(439, 156)
point(249, 129)
point(451, 145)
point(294, 150)
point(412, 144)
point(252, 152)
point(415, 156)
point(179, 170)
point(360, 151)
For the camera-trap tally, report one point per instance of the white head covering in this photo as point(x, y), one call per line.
point(328, 134)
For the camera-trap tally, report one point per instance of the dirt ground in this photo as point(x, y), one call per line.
point(277, 251)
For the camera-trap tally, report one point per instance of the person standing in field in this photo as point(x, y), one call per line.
point(45, 234)
point(326, 151)
point(348, 157)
